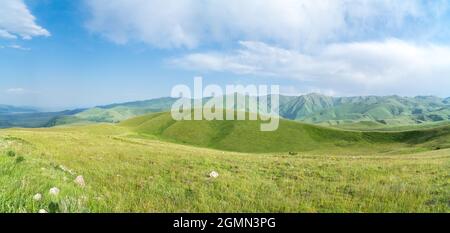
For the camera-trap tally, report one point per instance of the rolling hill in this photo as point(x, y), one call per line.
point(116, 112)
point(135, 167)
point(372, 112)
point(245, 136)
point(311, 108)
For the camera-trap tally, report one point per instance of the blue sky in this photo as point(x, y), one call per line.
point(64, 54)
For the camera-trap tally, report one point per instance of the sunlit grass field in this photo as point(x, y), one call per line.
point(127, 172)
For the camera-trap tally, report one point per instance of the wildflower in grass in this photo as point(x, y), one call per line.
point(42, 211)
point(214, 174)
point(54, 191)
point(80, 181)
point(37, 197)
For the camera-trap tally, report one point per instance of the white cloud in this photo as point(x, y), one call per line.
point(390, 66)
point(5, 34)
point(18, 47)
point(15, 46)
point(17, 21)
point(289, 23)
point(330, 46)
point(18, 90)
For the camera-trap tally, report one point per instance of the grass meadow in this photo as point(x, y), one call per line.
point(127, 172)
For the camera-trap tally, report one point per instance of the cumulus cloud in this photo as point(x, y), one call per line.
point(332, 46)
point(358, 67)
point(17, 21)
point(293, 23)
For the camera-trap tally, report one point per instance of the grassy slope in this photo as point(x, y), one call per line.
point(245, 136)
point(348, 112)
point(129, 174)
point(118, 112)
point(311, 108)
point(376, 126)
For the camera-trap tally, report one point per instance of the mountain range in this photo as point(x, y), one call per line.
point(374, 111)
point(8, 109)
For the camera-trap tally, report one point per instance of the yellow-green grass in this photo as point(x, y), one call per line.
point(127, 173)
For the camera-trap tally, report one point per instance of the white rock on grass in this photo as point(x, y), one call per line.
point(80, 181)
point(54, 191)
point(42, 211)
point(37, 197)
point(214, 174)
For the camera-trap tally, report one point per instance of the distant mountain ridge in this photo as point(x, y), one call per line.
point(33, 119)
point(311, 108)
point(8, 109)
point(447, 100)
point(315, 108)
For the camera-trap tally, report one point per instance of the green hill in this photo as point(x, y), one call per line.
point(117, 112)
point(245, 136)
point(344, 112)
point(312, 108)
point(299, 107)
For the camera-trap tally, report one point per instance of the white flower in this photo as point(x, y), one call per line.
point(42, 211)
point(37, 197)
point(54, 191)
point(80, 181)
point(213, 174)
